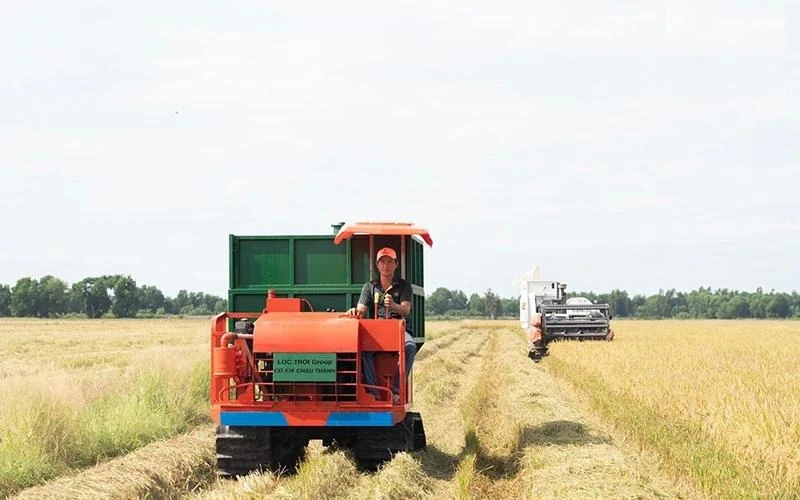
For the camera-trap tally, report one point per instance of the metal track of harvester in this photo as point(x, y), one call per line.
point(241, 450)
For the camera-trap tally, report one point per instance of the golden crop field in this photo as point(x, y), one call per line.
point(77, 392)
point(669, 409)
point(719, 400)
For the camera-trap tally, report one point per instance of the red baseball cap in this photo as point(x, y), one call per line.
point(386, 252)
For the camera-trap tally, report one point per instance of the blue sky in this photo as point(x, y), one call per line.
point(631, 145)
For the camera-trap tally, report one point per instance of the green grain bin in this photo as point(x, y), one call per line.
point(328, 275)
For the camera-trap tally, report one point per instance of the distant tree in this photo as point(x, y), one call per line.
point(477, 305)
point(181, 301)
point(636, 302)
point(458, 301)
point(649, 309)
point(195, 298)
point(150, 298)
point(758, 304)
point(620, 304)
point(92, 294)
point(169, 306)
point(54, 300)
point(74, 301)
point(196, 304)
point(26, 298)
point(439, 301)
point(509, 307)
point(219, 305)
point(700, 303)
point(665, 302)
point(210, 303)
point(735, 306)
point(201, 303)
point(492, 303)
point(778, 306)
point(5, 300)
point(125, 303)
point(680, 305)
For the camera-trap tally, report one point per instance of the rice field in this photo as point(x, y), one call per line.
point(79, 392)
point(718, 400)
point(670, 409)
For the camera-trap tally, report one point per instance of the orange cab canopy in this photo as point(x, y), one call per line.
point(382, 228)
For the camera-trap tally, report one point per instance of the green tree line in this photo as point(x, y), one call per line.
point(115, 295)
point(455, 303)
point(121, 297)
point(700, 303)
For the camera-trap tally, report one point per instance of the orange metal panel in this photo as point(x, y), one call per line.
point(277, 304)
point(381, 335)
point(305, 332)
point(306, 418)
point(382, 228)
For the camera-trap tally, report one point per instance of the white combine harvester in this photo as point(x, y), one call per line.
point(546, 315)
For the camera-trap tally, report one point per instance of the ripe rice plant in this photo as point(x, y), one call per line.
point(76, 392)
point(718, 400)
